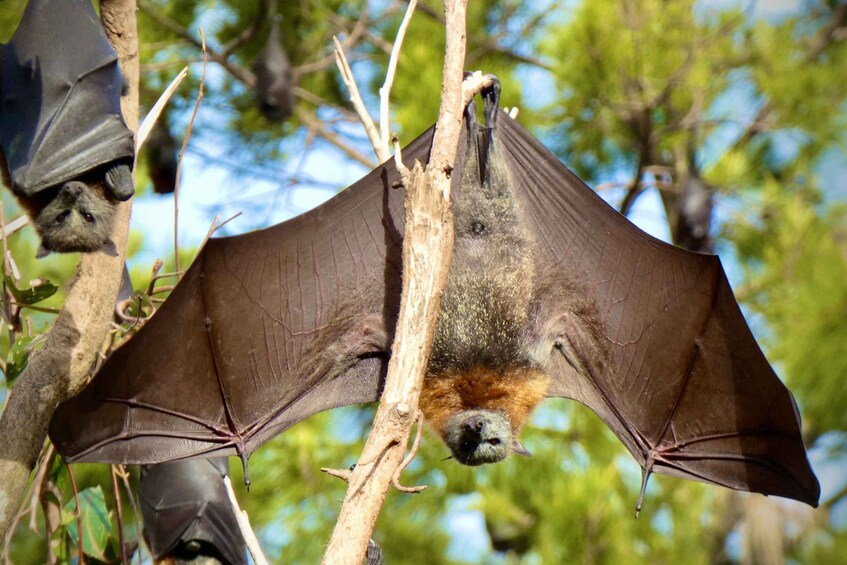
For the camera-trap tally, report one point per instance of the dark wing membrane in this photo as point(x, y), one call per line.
point(264, 330)
point(60, 113)
point(186, 501)
point(685, 385)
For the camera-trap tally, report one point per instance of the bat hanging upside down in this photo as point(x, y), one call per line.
point(65, 150)
point(550, 293)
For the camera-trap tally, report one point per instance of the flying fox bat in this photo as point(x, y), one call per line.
point(551, 293)
point(162, 154)
point(274, 80)
point(187, 513)
point(65, 150)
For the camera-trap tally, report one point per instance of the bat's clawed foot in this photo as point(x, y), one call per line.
point(373, 555)
point(119, 181)
point(476, 82)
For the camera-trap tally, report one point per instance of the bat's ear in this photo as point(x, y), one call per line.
point(109, 248)
point(43, 252)
point(519, 449)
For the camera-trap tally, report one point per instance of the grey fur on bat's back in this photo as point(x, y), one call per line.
point(485, 306)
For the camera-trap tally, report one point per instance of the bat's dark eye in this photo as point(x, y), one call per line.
point(88, 217)
point(478, 228)
point(60, 219)
point(494, 441)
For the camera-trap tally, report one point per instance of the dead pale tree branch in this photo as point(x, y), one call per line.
point(427, 249)
point(357, 101)
point(59, 368)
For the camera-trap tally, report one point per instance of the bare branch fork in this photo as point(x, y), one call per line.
point(427, 247)
point(380, 138)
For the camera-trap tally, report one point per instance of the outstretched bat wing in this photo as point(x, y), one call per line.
point(60, 113)
point(187, 512)
point(681, 380)
point(264, 330)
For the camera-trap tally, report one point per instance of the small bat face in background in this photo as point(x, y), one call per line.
point(78, 218)
point(66, 151)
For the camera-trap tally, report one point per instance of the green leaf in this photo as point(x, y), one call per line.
point(40, 291)
point(96, 523)
point(140, 305)
point(17, 359)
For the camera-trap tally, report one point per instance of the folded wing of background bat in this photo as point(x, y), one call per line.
point(187, 513)
point(60, 114)
point(270, 327)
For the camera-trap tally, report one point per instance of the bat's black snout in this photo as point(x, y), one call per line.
point(475, 424)
point(73, 188)
point(478, 436)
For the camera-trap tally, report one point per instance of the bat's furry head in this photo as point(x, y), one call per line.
point(479, 413)
point(78, 218)
point(478, 436)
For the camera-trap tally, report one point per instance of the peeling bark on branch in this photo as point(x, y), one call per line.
point(427, 247)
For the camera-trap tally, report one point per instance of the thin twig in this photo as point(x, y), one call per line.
point(38, 484)
point(243, 75)
point(215, 227)
point(3, 237)
point(311, 122)
point(124, 475)
point(78, 515)
point(358, 103)
point(359, 29)
point(395, 480)
point(182, 151)
point(117, 494)
point(385, 90)
point(19, 306)
point(244, 525)
point(404, 171)
point(15, 225)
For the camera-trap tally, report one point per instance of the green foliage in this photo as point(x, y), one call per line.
point(17, 359)
point(796, 260)
point(629, 71)
point(33, 295)
point(96, 523)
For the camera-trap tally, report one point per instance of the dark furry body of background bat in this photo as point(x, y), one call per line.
point(66, 152)
point(550, 293)
point(187, 514)
point(274, 77)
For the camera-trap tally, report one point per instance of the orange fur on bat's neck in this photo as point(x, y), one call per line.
point(514, 391)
